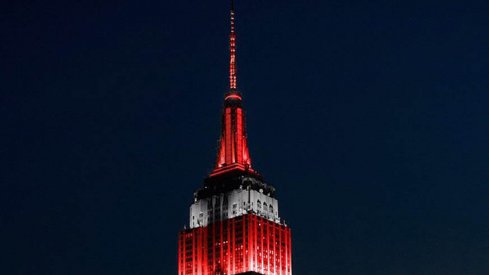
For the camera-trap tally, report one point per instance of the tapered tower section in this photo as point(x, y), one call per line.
point(234, 226)
point(233, 151)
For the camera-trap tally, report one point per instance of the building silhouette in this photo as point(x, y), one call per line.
point(234, 226)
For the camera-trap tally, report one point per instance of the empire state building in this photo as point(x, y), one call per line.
point(234, 225)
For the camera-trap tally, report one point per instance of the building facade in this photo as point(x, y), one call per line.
point(234, 225)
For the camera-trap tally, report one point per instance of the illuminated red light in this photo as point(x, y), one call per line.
point(241, 244)
point(233, 150)
point(233, 96)
point(250, 238)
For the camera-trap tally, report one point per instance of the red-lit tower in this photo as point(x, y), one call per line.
point(235, 227)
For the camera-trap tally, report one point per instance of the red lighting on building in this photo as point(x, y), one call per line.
point(242, 244)
point(235, 227)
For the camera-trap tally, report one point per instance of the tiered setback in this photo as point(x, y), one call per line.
point(242, 244)
point(233, 151)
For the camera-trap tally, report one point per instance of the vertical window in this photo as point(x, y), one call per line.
point(225, 202)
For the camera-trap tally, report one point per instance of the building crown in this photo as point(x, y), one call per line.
point(233, 153)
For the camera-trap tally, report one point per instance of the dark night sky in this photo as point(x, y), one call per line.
point(369, 117)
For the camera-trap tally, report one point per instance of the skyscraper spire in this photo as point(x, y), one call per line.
point(233, 151)
point(232, 51)
point(235, 226)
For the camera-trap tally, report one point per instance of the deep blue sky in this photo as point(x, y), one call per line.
point(369, 117)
